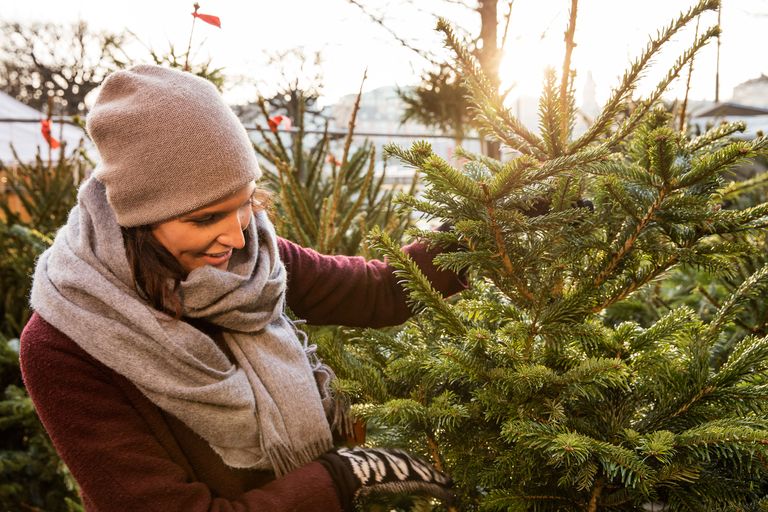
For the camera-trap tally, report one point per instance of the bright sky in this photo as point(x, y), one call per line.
point(609, 33)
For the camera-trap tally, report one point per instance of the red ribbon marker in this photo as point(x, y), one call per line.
point(275, 121)
point(45, 128)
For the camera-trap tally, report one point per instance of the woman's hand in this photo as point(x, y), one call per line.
point(359, 472)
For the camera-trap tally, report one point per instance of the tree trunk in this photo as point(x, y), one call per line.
point(489, 56)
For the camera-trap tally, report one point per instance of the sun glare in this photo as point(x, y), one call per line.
point(603, 50)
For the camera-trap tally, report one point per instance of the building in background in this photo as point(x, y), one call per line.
point(749, 104)
point(379, 120)
point(753, 92)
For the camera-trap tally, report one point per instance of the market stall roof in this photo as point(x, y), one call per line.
point(728, 109)
point(20, 127)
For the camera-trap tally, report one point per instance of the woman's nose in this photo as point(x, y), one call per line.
point(232, 235)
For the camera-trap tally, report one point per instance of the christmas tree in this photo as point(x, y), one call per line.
point(32, 477)
point(538, 389)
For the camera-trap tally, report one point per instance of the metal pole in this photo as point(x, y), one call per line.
point(717, 70)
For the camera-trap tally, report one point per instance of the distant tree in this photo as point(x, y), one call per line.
point(439, 100)
point(292, 87)
point(300, 84)
point(173, 59)
point(65, 62)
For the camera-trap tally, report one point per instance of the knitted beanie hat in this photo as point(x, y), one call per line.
point(168, 144)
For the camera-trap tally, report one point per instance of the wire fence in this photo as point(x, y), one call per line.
point(259, 128)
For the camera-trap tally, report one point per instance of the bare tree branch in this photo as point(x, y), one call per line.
point(380, 21)
point(506, 24)
point(684, 106)
point(42, 61)
point(460, 3)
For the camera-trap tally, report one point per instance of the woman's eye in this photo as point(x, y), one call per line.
point(202, 221)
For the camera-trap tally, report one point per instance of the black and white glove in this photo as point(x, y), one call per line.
point(360, 472)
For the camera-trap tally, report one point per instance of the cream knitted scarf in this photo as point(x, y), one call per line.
point(265, 411)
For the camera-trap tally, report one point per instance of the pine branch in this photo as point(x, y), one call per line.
point(355, 208)
point(637, 283)
point(748, 361)
point(501, 249)
point(630, 240)
point(440, 173)
point(485, 97)
point(511, 176)
point(550, 114)
point(723, 434)
point(735, 221)
point(662, 153)
point(288, 182)
point(714, 135)
point(352, 120)
point(735, 189)
point(628, 82)
point(416, 156)
point(719, 161)
point(420, 291)
point(750, 289)
point(644, 107)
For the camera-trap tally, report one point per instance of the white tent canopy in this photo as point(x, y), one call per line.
point(20, 127)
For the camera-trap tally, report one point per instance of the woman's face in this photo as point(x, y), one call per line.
point(208, 235)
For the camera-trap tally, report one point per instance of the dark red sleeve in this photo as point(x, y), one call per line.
point(348, 290)
point(111, 450)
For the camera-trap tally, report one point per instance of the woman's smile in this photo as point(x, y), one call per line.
point(218, 259)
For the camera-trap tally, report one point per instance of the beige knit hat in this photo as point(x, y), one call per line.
point(168, 144)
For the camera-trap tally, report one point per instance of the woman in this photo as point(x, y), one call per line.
point(159, 357)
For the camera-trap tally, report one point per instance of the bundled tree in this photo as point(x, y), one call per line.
point(328, 199)
point(526, 390)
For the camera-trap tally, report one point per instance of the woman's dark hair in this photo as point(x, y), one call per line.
point(156, 272)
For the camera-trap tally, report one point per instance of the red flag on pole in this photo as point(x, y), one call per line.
point(208, 18)
point(45, 128)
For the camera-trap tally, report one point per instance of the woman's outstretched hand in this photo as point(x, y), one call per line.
point(360, 472)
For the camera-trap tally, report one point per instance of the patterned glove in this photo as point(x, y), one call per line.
point(359, 472)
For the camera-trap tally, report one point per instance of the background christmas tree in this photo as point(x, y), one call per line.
point(328, 192)
point(538, 389)
point(32, 477)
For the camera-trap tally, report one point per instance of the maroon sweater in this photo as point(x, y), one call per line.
point(129, 455)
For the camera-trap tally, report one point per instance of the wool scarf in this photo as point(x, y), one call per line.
point(264, 410)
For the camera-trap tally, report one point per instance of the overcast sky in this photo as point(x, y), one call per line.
point(609, 33)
